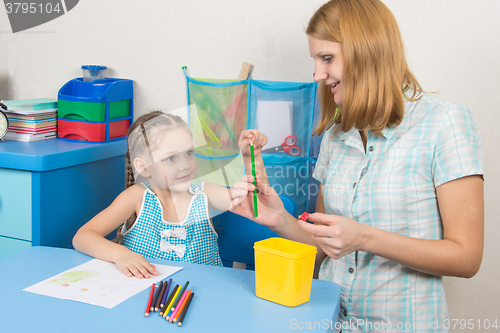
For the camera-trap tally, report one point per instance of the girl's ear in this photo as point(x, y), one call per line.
point(141, 168)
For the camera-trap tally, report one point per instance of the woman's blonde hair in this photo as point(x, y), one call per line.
point(376, 75)
point(152, 123)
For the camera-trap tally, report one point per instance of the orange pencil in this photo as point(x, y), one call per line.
point(150, 299)
point(181, 307)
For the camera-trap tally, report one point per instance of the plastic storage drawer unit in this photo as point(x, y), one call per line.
point(100, 110)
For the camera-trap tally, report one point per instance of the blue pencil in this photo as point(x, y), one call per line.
point(156, 296)
point(163, 285)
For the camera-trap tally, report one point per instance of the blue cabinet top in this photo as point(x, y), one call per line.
point(97, 91)
point(51, 154)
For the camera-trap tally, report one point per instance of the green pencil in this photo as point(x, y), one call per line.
point(172, 308)
point(252, 155)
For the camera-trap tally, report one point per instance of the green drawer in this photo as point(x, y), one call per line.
point(92, 111)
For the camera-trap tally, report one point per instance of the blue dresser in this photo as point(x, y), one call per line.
point(50, 188)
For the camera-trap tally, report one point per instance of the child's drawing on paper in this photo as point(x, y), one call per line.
point(72, 277)
point(89, 285)
point(97, 282)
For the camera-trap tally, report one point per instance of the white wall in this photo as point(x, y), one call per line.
point(452, 47)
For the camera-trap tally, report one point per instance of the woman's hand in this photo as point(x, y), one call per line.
point(269, 205)
point(271, 212)
point(133, 264)
point(258, 139)
point(336, 235)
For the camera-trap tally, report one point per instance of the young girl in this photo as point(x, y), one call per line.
point(167, 215)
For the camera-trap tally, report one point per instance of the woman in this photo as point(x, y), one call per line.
point(401, 203)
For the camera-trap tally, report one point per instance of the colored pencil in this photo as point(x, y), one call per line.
point(252, 156)
point(157, 293)
point(181, 293)
point(150, 299)
point(160, 295)
point(179, 309)
point(184, 311)
point(165, 294)
point(174, 311)
point(169, 306)
point(303, 216)
point(164, 310)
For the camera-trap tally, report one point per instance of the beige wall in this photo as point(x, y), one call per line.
point(452, 47)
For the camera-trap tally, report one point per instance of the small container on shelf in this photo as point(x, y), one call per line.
point(95, 109)
point(93, 72)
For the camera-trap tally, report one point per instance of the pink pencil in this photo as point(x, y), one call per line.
point(172, 316)
point(182, 306)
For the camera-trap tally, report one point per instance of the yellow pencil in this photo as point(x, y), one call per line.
point(170, 304)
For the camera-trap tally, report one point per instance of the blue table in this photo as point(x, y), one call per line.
point(225, 301)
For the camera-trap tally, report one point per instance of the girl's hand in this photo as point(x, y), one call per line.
point(270, 207)
point(239, 193)
point(258, 139)
point(336, 235)
point(134, 264)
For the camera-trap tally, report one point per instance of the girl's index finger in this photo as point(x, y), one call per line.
point(147, 269)
point(248, 134)
point(256, 136)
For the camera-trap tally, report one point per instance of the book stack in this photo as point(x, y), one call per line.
point(31, 119)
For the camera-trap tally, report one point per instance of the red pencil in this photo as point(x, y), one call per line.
point(150, 299)
point(304, 216)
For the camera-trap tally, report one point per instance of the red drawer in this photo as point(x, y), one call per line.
point(91, 131)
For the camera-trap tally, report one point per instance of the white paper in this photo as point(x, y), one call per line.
point(98, 282)
point(274, 119)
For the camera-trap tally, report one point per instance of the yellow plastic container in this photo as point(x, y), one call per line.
point(284, 270)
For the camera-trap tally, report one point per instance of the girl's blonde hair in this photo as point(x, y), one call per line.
point(142, 138)
point(376, 75)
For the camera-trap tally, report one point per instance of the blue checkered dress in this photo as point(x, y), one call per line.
point(149, 234)
point(393, 187)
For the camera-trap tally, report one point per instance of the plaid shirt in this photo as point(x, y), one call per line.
point(393, 187)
